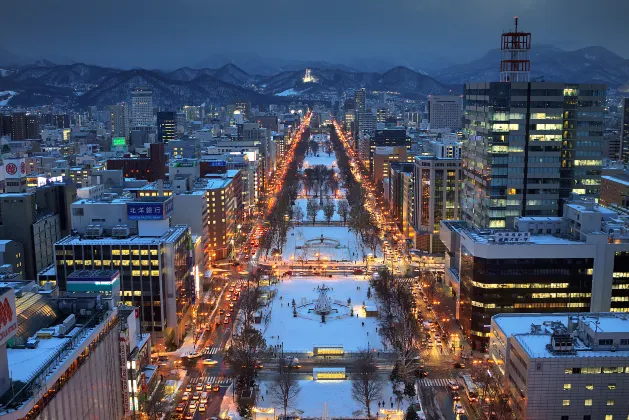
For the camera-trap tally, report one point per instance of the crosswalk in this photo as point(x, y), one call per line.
point(212, 380)
point(439, 381)
point(211, 350)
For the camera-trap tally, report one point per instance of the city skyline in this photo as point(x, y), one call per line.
point(414, 32)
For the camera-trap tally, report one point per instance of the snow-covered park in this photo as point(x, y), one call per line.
point(302, 333)
point(303, 203)
point(349, 247)
point(334, 395)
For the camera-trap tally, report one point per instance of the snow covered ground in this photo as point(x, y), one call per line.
point(300, 334)
point(322, 159)
point(287, 92)
point(5, 97)
point(351, 248)
point(335, 394)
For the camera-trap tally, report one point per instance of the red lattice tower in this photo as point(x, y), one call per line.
point(515, 49)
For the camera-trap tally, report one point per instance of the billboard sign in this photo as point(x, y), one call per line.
point(186, 164)
point(150, 210)
point(217, 163)
point(8, 317)
point(118, 141)
point(14, 168)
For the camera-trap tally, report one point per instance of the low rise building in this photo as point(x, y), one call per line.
point(563, 365)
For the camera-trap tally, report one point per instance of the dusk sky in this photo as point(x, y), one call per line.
point(174, 33)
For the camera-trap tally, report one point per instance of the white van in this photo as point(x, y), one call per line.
point(204, 397)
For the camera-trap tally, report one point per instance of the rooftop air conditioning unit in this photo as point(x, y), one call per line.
point(121, 231)
point(94, 231)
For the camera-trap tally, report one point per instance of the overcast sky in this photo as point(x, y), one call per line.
point(174, 33)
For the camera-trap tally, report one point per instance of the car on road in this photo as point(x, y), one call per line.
point(188, 388)
point(189, 415)
point(234, 298)
point(180, 407)
point(199, 387)
point(192, 406)
point(202, 408)
point(185, 396)
point(194, 355)
point(216, 388)
point(459, 365)
point(456, 396)
point(458, 409)
point(196, 395)
point(226, 321)
point(204, 397)
point(453, 385)
point(209, 362)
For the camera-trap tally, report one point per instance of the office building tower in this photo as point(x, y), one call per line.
point(624, 131)
point(530, 145)
point(155, 265)
point(141, 107)
point(561, 365)
point(615, 190)
point(394, 138)
point(578, 262)
point(360, 98)
point(32, 126)
point(18, 126)
point(445, 112)
point(37, 219)
point(381, 115)
point(437, 189)
point(166, 127)
point(120, 118)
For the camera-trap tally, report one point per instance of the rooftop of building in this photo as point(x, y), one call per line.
point(620, 179)
point(534, 332)
point(44, 363)
point(169, 236)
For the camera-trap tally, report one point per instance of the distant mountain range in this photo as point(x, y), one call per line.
point(44, 82)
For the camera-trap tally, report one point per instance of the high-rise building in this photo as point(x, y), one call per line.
point(360, 98)
point(141, 106)
point(166, 126)
point(155, 266)
point(18, 126)
point(37, 219)
point(120, 118)
point(624, 131)
point(437, 189)
point(530, 145)
point(32, 126)
point(381, 115)
point(445, 112)
point(395, 138)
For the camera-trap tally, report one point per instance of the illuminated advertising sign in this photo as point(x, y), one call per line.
point(8, 317)
point(118, 141)
point(14, 168)
point(217, 163)
point(150, 210)
point(42, 180)
point(187, 164)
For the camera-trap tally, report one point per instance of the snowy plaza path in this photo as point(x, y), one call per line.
point(301, 334)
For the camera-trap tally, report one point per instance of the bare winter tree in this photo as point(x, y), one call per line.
point(298, 213)
point(328, 210)
point(285, 387)
point(366, 384)
point(396, 322)
point(248, 348)
point(342, 208)
point(312, 208)
point(491, 390)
